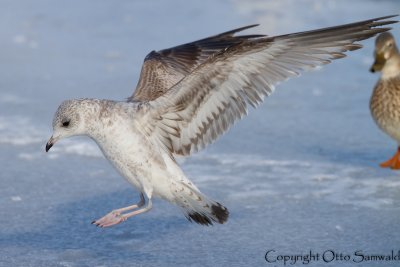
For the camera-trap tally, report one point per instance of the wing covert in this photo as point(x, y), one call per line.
point(163, 69)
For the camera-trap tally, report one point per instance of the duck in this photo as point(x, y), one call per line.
point(385, 99)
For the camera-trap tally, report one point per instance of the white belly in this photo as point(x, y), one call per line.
point(142, 164)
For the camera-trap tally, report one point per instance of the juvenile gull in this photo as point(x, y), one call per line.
point(189, 95)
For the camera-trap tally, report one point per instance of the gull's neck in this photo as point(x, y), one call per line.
point(100, 115)
point(105, 118)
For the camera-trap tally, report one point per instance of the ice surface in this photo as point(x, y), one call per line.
point(299, 173)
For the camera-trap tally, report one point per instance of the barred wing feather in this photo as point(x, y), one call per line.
point(207, 102)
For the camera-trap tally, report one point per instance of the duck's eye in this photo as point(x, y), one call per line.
point(65, 123)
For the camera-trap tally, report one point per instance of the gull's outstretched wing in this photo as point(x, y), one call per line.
point(205, 103)
point(163, 69)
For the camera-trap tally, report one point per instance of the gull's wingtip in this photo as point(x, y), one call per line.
point(381, 21)
point(387, 17)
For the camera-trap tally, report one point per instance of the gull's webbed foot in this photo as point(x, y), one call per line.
point(110, 219)
point(117, 216)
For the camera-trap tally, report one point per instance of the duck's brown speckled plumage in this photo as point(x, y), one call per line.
point(385, 99)
point(385, 106)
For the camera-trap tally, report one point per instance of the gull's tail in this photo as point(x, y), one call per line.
point(197, 207)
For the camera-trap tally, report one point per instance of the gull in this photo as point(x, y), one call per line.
point(186, 97)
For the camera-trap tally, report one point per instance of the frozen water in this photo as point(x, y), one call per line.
point(305, 177)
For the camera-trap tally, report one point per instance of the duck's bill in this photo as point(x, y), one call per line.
point(378, 64)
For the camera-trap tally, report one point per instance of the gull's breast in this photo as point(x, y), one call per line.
point(139, 161)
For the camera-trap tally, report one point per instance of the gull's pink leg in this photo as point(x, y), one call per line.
point(124, 217)
point(115, 216)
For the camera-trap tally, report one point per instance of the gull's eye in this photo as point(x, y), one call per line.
point(65, 123)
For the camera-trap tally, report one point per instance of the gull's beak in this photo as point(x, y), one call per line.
point(50, 143)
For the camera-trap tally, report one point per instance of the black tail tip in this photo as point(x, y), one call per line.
point(219, 214)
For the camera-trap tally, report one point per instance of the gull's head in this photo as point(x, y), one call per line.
point(385, 52)
point(68, 121)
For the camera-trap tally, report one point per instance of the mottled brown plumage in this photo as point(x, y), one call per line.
point(385, 99)
point(163, 69)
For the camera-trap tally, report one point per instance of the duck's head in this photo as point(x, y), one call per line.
point(385, 50)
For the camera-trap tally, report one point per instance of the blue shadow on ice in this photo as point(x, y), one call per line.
point(71, 235)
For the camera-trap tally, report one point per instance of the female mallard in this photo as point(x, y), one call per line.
point(385, 99)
